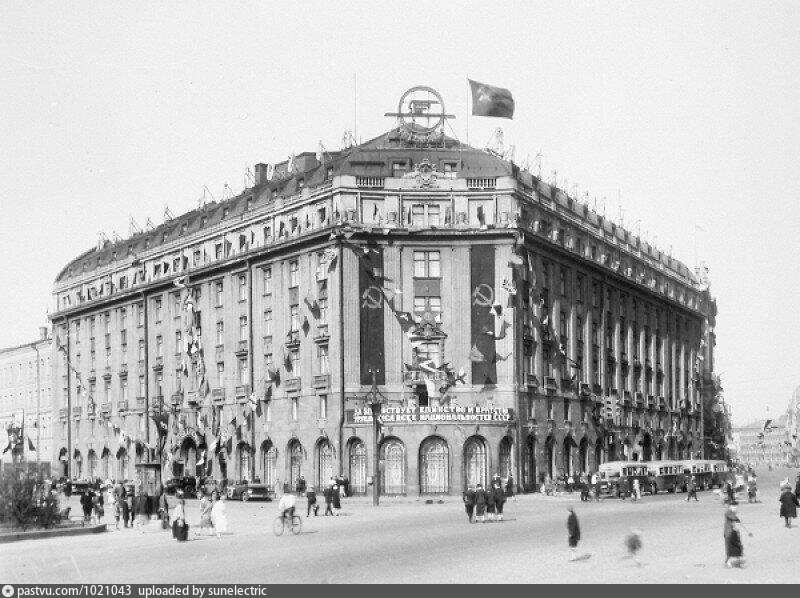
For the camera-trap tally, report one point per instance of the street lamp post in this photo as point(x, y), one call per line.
point(375, 400)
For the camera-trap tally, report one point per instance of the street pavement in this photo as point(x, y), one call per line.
point(406, 541)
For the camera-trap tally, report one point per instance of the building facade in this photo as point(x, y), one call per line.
point(793, 427)
point(508, 328)
point(26, 399)
point(763, 442)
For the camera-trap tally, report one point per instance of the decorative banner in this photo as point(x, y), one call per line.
point(482, 317)
point(415, 414)
point(370, 289)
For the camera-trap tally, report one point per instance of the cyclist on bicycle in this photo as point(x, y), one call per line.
point(286, 505)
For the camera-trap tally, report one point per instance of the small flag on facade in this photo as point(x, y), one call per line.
point(488, 100)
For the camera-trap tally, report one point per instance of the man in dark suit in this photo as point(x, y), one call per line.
point(328, 494)
point(469, 502)
point(311, 497)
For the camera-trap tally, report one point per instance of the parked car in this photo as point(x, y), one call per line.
point(244, 491)
point(207, 486)
point(184, 484)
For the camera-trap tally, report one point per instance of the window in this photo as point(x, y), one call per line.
point(433, 215)
point(242, 287)
point(244, 377)
point(323, 406)
point(323, 310)
point(562, 282)
point(418, 215)
point(141, 386)
point(243, 328)
point(220, 333)
point(430, 351)
point(428, 304)
point(427, 264)
point(579, 289)
point(399, 169)
point(178, 341)
point(218, 293)
point(268, 322)
point(595, 295)
point(266, 274)
point(124, 389)
point(294, 356)
point(78, 332)
point(140, 315)
point(295, 408)
point(220, 375)
point(218, 251)
point(450, 166)
point(176, 304)
point(294, 318)
point(159, 346)
point(159, 385)
point(107, 390)
point(562, 328)
point(196, 257)
point(157, 310)
point(141, 350)
point(294, 274)
point(322, 356)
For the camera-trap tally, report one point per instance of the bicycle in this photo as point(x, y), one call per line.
point(282, 522)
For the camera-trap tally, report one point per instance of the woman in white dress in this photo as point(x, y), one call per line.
point(218, 517)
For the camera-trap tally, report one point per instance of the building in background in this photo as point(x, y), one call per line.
point(26, 398)
point(509, 328)
point(793, 428)
point(763, 442)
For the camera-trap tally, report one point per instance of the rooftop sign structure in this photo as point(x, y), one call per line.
point(421, 116)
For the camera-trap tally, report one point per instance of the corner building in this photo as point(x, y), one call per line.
point(509, 328)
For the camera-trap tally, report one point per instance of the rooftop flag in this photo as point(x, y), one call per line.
point(488, 100)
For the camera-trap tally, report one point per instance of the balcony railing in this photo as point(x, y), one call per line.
point(241, 348)
point(140, 401)
point(322, 332)
point(122, 406)
point(107, 372)
point(550, 383)
point(77, 411)
point(192, 398)
point(322, 381)
point(242, 391)
point(293, 384)
point(531, 381)
point(218, 395)
point(123, 369)
point(63, 413)
point(105, 408)
point(293, 338)
point(176, 398)
point(92, 374)
point(158, 363)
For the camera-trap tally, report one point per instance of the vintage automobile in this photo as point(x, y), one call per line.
point(244, 491)
point(614, 472)
point(184, 484)
point(206, 486)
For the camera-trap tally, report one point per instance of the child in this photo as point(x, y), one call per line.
point(634, 543)
point(573, 533)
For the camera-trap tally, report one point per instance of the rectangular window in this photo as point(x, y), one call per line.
point(427, 264)
point(176, 305)
point(562, 328)
point(123, 337)
point(140, 315)
point(294, 274)
point(323, 406)
point(157, 310)
point(266, 274)
point(399, 169)
point(242, 287)
point(107, 323)
point(159, 385)
point(178, 341)
point(141, 386)
point(107, 390)
point(244, 377)
point(196, 257)
point(123, 318)
point(579, 289)
point(434, 215)
point(159, 346)
point(428, 304)
point(430, 351)
point(243, 328)
point(141, 350)
point(562, 282)
point(418, 215)
point(268, 322)
point(220, 333)
point(218, 293)
point(322, 356)
point(295, 408)
point(124, 389)
point(595, 295)
point(294, 356)
point(294, 318)
point(218, 251)
point(221, 375)
point(323, 310)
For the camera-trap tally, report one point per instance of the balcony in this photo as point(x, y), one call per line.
point(107, 372)
point(63, 413)
point(321, 381)
point(219, 352)
point(105, 408)
point(651, 401)
point(242, 391)
point(531, 381)
point(123, 370)
point(218, 395)
point(91, 410)
point(176, 399)
point(321, 333)
point(639, 398)
point(293, 385)
point(550, 384)
point(92, 375)
point(122, 406)
point(192, 398)
point(241, 348)
point(77, 412)
point(566, 384)
point(158, 363)
point(140, 401)
point(293, 339)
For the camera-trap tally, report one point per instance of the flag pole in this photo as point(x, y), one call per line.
point(468, 108)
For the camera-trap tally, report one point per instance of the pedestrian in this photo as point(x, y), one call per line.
point(311, 498)
point(337, 499)
point(731, 519)
point(180, 529)
point(328, 494)
point(86, 504)
point(510, 488)
point(734, 547)
point(499, 501)
point(634, 543)
point(490, 504)
point(583, 482)
point(97, 506)
point(129, 504)
point(140, 515)
point(573, 533)
point(480, 503)
point(691, 489)
point(623, 487)
point(731, 495)
point(163, 509)
point(752, 488)
point(495, 480)
point(570, 484)
point(219, 517)
point(469, 501)
point(301, 485)
point(206, 526)
point(637, 492)
point(789, 504)
point(797, 487)
point(68, 489)
point(596, 482)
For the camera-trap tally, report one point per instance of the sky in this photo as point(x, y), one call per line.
point(679, 119)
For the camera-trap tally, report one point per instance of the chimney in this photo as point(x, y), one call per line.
point(261, 173)
point(43, 332)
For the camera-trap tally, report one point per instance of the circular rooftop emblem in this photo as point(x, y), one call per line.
point(422, 109)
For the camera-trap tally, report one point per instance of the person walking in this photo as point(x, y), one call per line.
point(180, 529)
point(573, 533)
point(328, 494)
point(752, 488)
point(510, 488)
point(311, 500)
point(163, 509)
point(623, 487)
point(735, 549)
point(206, 526)
point(86, 504)
point(596, 482)
point(140, 515)
point(129, 503)
point(480, 503)
point(584, 484)
point(797, 487)
point(637, 491)
point(499, 500)
point(219, 517)
point(490, 504)
point(337, 499)
point(789, 504)
point(300, 486)
point(691, 489)
point(469, 502)
point(634, 543)
point(731, 519)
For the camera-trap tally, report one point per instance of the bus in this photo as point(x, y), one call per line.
point(701, 470)
point(612, 472)
point(666, 476)
point(720, 474)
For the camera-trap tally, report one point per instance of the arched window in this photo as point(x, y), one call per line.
point(188, 456)
point(295, 462)
point(104, 465)
point(599, 457)
point(122, 464)
point(324, 463)
point(393, 475)
point(358, 466)
point(567, 453)
point(583, 455)
point(505, 458)
point(434, 466)
point(269, 455)
point(91, 459)
point(78, 473)
point(475, 462)
point(550, 455)
point(529, 464)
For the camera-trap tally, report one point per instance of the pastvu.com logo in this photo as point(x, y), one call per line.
point(8, 591)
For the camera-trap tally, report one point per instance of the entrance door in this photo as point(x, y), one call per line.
point(434, 460)
point(358, 467)
point(647, 448)
point(295, 463)
point(529, 464)
point(505, 458)
point(324, 463)
point(475, 465)
point(393, 476)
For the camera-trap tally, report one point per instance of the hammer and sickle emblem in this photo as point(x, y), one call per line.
point(371, 298)
point(483, 295)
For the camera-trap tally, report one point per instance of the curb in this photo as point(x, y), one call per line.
point(52, 533)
